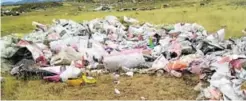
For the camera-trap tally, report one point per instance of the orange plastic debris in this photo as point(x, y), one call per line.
point(176, 65)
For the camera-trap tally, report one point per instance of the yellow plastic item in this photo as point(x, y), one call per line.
point(79, 81)
point(89, 80)
point(75, 82)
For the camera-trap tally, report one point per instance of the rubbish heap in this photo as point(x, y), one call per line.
point(67, 51)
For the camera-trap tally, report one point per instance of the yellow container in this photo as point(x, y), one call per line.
point(80, 81)
point(75, 82)
point(89, 80)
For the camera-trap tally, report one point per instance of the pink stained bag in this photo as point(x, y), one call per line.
point(175, 47)
point(79, 63)
point(236, 63)
point(53, 36)
point(36, 51)
point(55, 78)
point(216, 95)
point(224, 59)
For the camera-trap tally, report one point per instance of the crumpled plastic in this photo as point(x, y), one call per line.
point(65, 56)
point(176, 48)
point(8, 46)
point(127, 59)
point(130, 20)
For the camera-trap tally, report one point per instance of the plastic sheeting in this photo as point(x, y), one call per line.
point(128, 59)
point(65, 57)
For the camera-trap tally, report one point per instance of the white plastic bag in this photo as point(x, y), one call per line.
point(65, 57)
point(128, 59)
point(221, 34)
point(70, 72)
point(130, 20)
point(159, 63)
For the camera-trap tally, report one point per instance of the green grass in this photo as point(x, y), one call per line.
point(211, 16)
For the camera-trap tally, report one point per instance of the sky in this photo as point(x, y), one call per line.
point(9, 0)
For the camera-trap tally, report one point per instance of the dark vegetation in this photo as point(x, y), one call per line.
point(36, 6)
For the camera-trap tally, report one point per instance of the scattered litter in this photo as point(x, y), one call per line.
point(129, 74)
point(142, 98)
point(1, 79)
point(70, 52)
point(116, 91)
point(103, 8)
point(130, 20)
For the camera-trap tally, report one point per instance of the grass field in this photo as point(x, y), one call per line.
point(231, 13)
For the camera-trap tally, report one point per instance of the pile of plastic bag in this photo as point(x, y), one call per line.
point(67, 51)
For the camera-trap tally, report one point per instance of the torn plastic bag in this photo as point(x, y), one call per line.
point(130, 20)
point(28, 68)
point(175, 47)
point(207, 47)
point(79, 63)
point(157, 51)
point(65, 57)
point(221, 34)
point(20, 54)
point(57, 70)
point(70, 72)
point(45, 49)
point(36, 36)
point(40, 26)
point(37, 52)
point(221, 80)
point(62, 72)
point(8, 46)
point(218, 37)
point(186, 48)
point(95, 53)
point(135, 30)
point(76, 42)
point(195, 67)
point(183, 27)
point(176, 65)
point(112, 20)
point(196, 27)
point(128, 59)
point(229, 92)
point(8, 52)
point(98, 37)
point(5, 65)
point(165, 42)
point(53, 36)
point(23, 64)
point(212, 93)
point(159, 63)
